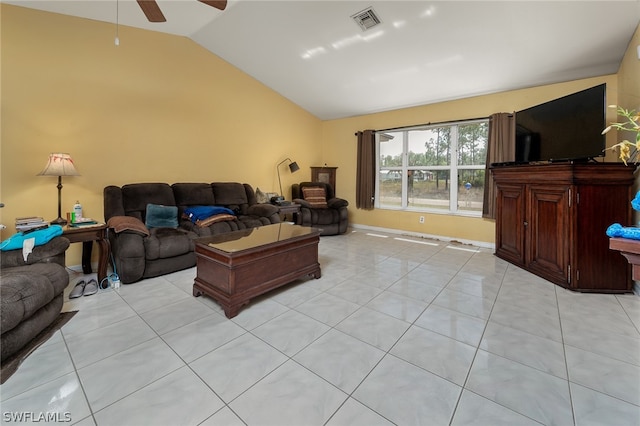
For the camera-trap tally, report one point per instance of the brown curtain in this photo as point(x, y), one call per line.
point(366, 171)
point(502, 147)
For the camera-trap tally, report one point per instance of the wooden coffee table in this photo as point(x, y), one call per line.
point(235, 267)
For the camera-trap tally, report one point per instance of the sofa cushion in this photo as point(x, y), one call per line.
point(163, 243)
point(193, 194)
point(219, 227)
point(25, 289)
point(316, 196)
point(22, 336)
point(261, 197)
point(136, 196)
point(229, 193)
point(324, 216)
point(254, 221)
point(159, 216)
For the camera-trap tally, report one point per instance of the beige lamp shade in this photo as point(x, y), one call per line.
point(59, 164)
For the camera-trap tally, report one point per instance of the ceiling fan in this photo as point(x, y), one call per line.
point(153, 13)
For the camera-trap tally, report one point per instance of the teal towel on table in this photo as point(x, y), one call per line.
point(42, 236)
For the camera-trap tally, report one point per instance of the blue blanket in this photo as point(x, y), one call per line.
point(202, 212)
point(42, 236)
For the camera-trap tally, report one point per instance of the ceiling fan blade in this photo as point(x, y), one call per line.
point(218, 4)
point(151, 10)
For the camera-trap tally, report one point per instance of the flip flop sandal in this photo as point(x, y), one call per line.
point(78, 290)
point(90, 288)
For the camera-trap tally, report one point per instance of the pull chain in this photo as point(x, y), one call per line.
point(117, 40)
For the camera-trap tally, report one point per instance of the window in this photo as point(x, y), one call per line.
point(438, 168)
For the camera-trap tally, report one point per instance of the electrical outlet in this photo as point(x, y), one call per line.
point(421, 219)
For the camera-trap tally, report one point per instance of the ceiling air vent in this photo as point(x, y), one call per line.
point(366, 19)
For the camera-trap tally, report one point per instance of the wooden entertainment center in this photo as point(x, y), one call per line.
point(551, 220)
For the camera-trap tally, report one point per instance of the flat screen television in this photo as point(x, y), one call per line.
point(564, 129)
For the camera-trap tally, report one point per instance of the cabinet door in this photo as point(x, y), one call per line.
point(510, 209)
point(548, 232)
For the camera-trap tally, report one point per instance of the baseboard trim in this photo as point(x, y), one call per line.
point(482, 244)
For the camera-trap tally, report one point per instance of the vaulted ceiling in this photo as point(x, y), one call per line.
point(313, 53)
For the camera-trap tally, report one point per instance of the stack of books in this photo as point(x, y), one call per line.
point(31, 223)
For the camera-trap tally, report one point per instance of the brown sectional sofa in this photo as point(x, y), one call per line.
point(142, 252)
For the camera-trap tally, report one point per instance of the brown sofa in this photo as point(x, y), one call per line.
point(143, 252)
point(31, 293)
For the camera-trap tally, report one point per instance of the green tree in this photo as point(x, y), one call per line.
point(472, 144)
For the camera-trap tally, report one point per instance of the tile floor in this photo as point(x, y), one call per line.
point(398, 330)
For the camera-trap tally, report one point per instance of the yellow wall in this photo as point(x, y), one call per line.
point(629, 75)
point(157, 108)
point(340, 149)
point(629, 91)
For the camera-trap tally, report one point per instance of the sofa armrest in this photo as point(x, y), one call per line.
point(302, 203)
point(127, 235)
point(336, 203)
point(50, 252)
point(128, 251)
point(127, 224)
point(187, 225)
point(264, 210)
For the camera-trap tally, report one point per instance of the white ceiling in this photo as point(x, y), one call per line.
point(313, 53)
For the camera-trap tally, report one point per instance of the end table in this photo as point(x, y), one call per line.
point(86, 235)
point(293, 209)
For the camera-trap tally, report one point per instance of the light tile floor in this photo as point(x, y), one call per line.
point(398, 330)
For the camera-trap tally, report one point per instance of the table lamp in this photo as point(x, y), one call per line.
point(59, 164)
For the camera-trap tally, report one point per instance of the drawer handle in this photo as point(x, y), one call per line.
point(526, 223)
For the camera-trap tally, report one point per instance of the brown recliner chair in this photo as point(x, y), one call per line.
point(31, 293)
point(320, 208)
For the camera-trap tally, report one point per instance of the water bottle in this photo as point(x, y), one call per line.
point(77, 211)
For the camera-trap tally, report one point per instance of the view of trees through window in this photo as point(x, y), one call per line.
point(434, 168)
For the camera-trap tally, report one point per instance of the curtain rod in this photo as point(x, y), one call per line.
point(430, 124)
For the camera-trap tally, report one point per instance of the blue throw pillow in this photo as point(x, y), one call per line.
point(159, 216)
point(195, 213)
point(42, 236)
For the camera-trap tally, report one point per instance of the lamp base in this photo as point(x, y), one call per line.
point(59, 221)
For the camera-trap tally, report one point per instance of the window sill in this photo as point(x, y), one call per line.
point(434, 211)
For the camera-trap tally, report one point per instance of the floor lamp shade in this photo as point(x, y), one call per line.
point(59, 164)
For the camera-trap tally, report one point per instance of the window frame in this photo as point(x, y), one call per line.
point(453, 167)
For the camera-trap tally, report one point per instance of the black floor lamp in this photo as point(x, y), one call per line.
point(59, 164)
point(293, 167)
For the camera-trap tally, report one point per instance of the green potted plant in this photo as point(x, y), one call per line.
point(628, 150)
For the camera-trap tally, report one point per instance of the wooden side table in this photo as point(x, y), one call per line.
point(87, 235)
point(630, 249)
point(293, 209)
point(324, 174)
